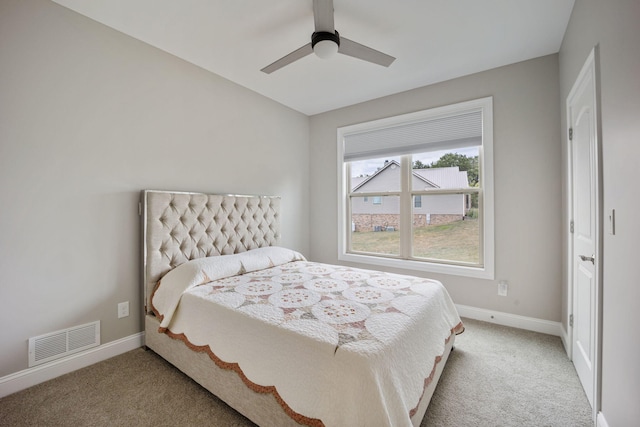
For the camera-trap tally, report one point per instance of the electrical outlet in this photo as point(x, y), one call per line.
point(503, 288)
point(123, 309)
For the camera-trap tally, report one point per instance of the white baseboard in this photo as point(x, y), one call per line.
point(513, 320)
point(600, 421)
point(29, 377)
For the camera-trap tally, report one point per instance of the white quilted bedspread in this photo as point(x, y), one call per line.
point(347, 346)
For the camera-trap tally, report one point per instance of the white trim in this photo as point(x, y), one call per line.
point(431, 267)
point(600, 421)
point(569, 236)
point(512, 320)
point(26, 378)
point(487, 197)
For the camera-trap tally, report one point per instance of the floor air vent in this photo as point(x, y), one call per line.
point(63, 343)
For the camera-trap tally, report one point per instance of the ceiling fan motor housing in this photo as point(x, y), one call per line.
point(319, 36)
point(325, 44)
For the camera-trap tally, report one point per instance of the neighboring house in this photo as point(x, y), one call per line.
point(380, 213)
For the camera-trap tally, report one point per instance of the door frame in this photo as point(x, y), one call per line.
point(591, 65)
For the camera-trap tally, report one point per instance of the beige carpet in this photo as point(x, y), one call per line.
point(496, 376)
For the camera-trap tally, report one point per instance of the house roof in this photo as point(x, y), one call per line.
point(447, 177)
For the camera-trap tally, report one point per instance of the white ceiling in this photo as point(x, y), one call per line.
point(433, 41)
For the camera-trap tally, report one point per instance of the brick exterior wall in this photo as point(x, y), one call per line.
point(369, 222)
point(437, 219)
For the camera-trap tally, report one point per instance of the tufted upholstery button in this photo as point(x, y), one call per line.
point(187, 226)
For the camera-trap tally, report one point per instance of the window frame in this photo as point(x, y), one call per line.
point(486, 197)
point(417, 201)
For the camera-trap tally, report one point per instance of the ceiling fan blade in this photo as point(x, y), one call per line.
point(357, 50)
point(288, 59)
point(323, 15)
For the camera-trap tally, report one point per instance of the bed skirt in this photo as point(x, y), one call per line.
point(261, 408)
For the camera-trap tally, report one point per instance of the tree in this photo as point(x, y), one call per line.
point(464, 163)
point(419, 165)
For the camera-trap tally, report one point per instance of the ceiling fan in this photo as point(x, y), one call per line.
point(326, 42)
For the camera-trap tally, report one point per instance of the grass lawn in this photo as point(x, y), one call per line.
point(456, 241)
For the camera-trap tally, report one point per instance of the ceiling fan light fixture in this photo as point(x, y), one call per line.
point(325, 49)
point(325, 44)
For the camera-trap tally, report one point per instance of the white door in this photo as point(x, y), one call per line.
point(583, 135)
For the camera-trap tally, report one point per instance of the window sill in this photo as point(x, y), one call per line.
point(454, 270)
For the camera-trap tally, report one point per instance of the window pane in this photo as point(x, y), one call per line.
point(375, 175)
point(431, 161)
point(445, 169)
point(374, 227)
point(444, 229)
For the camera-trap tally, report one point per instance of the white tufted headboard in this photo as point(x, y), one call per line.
point(178, 227)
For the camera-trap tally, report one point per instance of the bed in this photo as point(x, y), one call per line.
point(282, 340)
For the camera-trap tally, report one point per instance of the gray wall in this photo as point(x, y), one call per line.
point(614, 26)
point(88, 118)
point(527, 181)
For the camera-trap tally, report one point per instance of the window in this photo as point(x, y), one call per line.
point(430, 177)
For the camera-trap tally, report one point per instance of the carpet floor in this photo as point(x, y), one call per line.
point(496, 376)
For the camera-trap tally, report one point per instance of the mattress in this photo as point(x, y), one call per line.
point(335, 345)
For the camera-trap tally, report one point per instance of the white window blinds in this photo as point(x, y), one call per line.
point(431, 134)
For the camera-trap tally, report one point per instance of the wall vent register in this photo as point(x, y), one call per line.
point(55, 345)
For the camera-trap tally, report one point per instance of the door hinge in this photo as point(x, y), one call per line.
point(139, 208)
point(571, 227)
point(571, 320)
point(570, 134)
